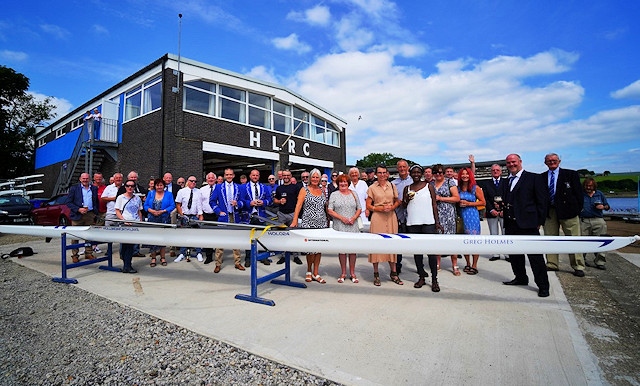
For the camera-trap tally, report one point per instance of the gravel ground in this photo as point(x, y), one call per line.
point(56, 334)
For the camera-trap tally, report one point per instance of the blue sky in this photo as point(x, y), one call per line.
point(433, 81)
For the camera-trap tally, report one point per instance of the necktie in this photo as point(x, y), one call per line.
point(496, 183)
point(229, 197)
point(552, 187)
point(511, 182)
point(190, 200)
point(256, 195)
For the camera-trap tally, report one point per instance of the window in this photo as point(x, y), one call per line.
point(41, 142)
point(260, 115)
point(59, 133)
point(132, 103)
point(143, 99)
point(231, 106)
point(281, 117)
point(199, 96)
point(300, 125)
point(254, 109)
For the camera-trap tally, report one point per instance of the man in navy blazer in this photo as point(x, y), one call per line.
point(82, 201)
point(255, 198)
point(565, 204)
point(225, 202)
point(524, 199)
point(493, 188)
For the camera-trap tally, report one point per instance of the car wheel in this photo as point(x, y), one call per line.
point(63, 221)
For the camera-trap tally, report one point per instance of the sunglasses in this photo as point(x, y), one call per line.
point(192, 180)
point(324, 180)
point(130, 186)
point(272, 179)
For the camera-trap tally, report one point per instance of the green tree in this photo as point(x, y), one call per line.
point(19, 115)
point(373, 159)
point(606, 173)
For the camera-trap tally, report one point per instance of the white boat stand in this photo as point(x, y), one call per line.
point(65, 266)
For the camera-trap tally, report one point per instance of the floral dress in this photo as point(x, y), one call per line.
point(470, 216)
point(446, 210)
point(345, 205)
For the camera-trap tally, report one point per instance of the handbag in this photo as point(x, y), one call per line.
point(459, 225)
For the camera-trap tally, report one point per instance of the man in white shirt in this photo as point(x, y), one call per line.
point(206, 192)
point(109, 196)
point(189, 205)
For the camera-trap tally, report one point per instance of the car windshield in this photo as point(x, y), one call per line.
point(11, 201)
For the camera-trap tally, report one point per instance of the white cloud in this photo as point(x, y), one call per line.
point(465, 106)
point(100, 30)
point(351, 35)
point(262, 73)
point(55, 31)
point(13, 56)
point(62, 106)
point(630, 91)
point(291, 43)
point(318, 15)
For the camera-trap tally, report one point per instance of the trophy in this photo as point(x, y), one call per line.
point(411, 194)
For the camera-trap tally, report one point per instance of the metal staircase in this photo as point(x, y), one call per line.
point(88, 154)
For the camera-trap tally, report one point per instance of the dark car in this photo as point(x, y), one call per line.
point(15, 210)
point(52, 212)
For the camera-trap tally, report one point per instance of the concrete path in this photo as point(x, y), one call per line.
point(476, 331)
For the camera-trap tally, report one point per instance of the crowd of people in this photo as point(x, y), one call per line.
point(422, 200)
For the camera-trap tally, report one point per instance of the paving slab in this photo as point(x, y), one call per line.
point(475, 331)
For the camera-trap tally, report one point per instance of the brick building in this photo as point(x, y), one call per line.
point(189, 118)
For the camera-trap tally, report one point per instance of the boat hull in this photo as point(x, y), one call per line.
point(330, 241)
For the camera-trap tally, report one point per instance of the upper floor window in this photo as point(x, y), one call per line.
point(257, 110)
point(143, 99)
point(232, 104)
point(200, 96)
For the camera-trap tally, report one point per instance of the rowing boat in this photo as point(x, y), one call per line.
point(330, 241)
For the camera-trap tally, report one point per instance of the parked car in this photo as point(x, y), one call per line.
point(15, 210)
point(53, 212)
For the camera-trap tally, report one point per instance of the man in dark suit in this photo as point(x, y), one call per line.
point(493, 188)
point(82, 201)
point(524, 197)
point(565, 204)
point(255, 197)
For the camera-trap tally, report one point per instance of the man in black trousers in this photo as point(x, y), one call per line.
point(525, 211)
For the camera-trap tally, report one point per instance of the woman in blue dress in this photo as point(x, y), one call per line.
point(471, 197)
point(159, 205)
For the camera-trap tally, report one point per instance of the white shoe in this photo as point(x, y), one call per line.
point(96, 249)
point(179, 258)
point(199, 256)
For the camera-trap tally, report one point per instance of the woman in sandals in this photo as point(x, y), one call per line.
point(422, 217)
point(471, 197)
point(382, 201)
point(344, 207)
point(446, 198)
point(313, 203)
point(159, 205)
